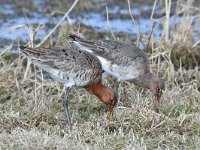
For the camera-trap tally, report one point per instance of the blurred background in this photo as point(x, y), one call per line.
point(176, 22)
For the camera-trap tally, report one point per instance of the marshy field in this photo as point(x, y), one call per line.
point(31, 108)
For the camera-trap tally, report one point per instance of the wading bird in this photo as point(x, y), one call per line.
point(123, 61)
point(73, 67)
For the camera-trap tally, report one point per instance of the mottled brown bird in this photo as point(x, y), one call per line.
point(123, 61)
point(73, 67)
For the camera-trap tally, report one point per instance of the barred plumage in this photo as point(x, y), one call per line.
point(72, 67)
point(124, 61)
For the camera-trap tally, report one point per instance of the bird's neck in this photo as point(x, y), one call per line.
point(143, 80)
point(97, 89)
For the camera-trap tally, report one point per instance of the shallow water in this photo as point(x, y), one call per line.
point(15, 27)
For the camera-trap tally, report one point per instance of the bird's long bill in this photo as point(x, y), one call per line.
point(110, 115)
point(111, 109)
point(157, 103)
point(110, 112)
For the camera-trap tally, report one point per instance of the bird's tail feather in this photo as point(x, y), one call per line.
point(82, 42)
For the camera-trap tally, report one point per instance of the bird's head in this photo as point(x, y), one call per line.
point(157, 85)
point(105, 94)
point(109, 96)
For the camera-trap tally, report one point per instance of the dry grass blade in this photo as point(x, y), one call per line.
point(108, 23)
point(59, 23)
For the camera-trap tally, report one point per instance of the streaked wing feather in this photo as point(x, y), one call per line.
point(68, 62)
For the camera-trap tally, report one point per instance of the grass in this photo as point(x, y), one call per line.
point(32, 115)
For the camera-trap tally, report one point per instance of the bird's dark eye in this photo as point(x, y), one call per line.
point(158, 89)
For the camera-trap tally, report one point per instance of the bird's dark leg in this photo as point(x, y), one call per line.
point(117, 91)
point(66, 107)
